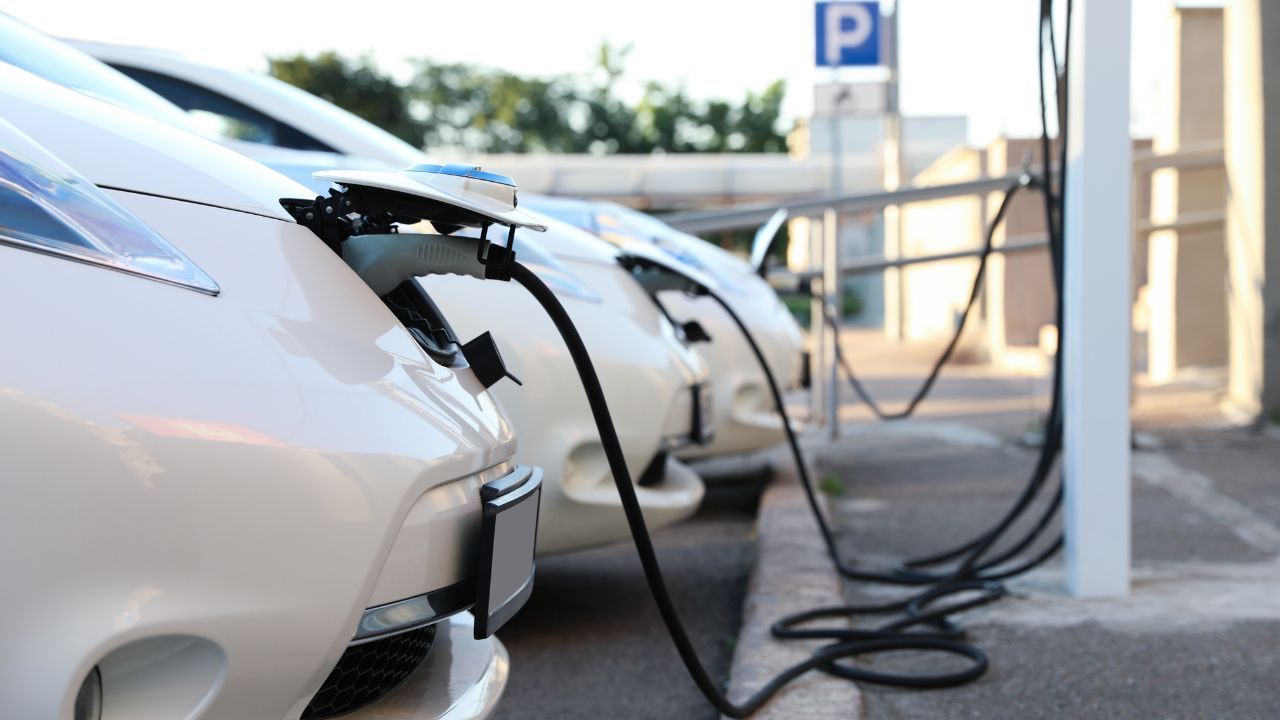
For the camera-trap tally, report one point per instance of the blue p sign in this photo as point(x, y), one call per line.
point(848, 33)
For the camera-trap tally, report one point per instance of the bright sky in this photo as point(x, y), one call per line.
point(973, 57)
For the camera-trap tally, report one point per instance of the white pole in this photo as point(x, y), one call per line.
point(831, 285)
point(1096, 335)
point(895, 310)
point(818, 330)
point(831, 297)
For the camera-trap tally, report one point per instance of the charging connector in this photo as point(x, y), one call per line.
point(385, 261)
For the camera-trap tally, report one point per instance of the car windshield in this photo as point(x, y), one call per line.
point(340, 121)
point(37, 53)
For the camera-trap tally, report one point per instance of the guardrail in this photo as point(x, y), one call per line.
point(828, 209)
point(751, 216)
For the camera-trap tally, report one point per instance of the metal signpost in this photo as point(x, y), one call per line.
point(847, 34)
point(1096, 335)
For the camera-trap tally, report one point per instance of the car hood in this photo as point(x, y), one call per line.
point(117, 148)
point(568, 242)
point(301, 165)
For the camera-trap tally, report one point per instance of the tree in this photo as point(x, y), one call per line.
point(485, 110)
point(758, 118)
point(355, 85)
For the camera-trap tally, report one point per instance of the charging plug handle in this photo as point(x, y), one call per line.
point(385, 261)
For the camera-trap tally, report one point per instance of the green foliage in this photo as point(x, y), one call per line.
point(799, 307)
point(479, 109)
point(851, 302)
point(831, 486)
point(356, 85)
point(490, 110)
point(851, 305)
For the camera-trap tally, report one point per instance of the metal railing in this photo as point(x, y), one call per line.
point(879, 263)
point(751, 216)
point(826, 210)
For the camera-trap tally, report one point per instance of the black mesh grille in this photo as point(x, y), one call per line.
point(366, 672)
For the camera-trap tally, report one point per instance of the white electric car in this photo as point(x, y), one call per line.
point(235, 485)
point(745, 415)
point(658, 390)
point(269, 112)
point(660, 385)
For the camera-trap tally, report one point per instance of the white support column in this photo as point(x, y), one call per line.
point(818, 333)
point(1096, 336)
point(894, 170)
point(832, 298)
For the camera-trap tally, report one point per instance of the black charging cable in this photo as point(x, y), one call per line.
point(1052, 434)
point(974, 582)
point(975, 290)
point(848, 643)
point(973, 566)
point(921, 621)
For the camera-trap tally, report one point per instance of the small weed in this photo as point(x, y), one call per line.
point(831, 486)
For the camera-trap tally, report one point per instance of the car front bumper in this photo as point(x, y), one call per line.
point(461, 679)
point(648, 378)
point(744, 416)
point(593, 516)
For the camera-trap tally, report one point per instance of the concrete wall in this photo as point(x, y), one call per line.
point(1185, 294)
point(682, 180)
point(1017, 300)
point(1252, 129)
point(935, 294)
point(924, 138)
point(1020, 298)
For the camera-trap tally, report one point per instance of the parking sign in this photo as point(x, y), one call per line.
point(848, 33)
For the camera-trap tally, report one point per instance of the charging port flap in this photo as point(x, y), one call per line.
point(462, 195)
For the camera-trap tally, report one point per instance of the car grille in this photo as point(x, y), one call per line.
point(368, 671)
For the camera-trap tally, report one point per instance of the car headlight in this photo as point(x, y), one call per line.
point(48, 208)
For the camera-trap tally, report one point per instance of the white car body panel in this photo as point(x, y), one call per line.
point(641, 361)
point(745, 416)
point(164, 161)
point(211, 489)
point(745, 419)
point(645, 371)
point(301, 165)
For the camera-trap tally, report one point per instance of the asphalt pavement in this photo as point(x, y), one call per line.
point(589, 643)
point(1199, 635)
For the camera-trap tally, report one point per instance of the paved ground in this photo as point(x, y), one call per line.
point(589, 643)
point(1200, 635)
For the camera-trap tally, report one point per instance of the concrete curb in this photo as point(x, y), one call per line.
point(792, 574)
